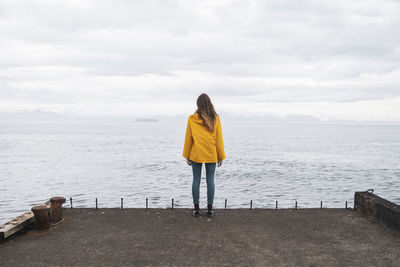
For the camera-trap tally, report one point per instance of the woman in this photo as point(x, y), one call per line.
point(203, 144)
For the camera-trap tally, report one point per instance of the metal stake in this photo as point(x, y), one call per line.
point(276, 204)
point(122, 203)
point(321, 204)
point(295, 205)
point(172, 203)
point(226, 201)
point(251, 204)
point(346, 205)
point(96, 203)
point(70, 200)
point(147, 203)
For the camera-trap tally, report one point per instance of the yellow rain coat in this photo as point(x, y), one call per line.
point(201, 145)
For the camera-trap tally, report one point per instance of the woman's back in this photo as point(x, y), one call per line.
point(201, 144)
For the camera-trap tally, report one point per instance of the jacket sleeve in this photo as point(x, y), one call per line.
point(220, 142)
point(188, 141)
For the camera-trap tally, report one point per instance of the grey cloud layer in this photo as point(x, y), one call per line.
point(253, 51)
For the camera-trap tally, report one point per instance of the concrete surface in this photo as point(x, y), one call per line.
point(155, 237)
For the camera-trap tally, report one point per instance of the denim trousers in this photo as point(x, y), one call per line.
point(210, 171)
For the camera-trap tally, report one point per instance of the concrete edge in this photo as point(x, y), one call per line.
point(18, 223)
point(378, 208)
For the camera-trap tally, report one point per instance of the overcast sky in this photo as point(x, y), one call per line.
point(328, 59)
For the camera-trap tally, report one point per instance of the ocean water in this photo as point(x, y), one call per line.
point(265, 163)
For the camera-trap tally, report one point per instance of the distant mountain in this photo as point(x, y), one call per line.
point(272, 119)
point(31, 116)
point(146, 120)
point(45, 116)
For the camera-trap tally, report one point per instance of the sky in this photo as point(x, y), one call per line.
point(327, 59)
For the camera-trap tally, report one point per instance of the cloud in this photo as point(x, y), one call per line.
point(68, 55)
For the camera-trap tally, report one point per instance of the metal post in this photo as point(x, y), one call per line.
point(251, 204)
point(41, 214)
point(172, 203)
point(346, 205)
point(226, 201)
point(96, 203)
point(147, 203)
point(276, 204)
point(56, 213)
point(321, 204)
point(122, 203)
point(70, 200)
point(295, 205)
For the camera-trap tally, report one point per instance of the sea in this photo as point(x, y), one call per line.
point(265, 163)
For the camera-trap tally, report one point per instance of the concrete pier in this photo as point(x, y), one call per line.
point(159, 237)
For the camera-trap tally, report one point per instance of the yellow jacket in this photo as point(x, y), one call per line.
point(201, 145)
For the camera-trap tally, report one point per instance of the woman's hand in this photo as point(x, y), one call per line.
point(188, 162)
point(220, 162)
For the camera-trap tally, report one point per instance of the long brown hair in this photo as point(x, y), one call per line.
point(206, 112)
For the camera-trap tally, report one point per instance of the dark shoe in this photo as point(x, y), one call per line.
point(196, 210)
point(210, 212)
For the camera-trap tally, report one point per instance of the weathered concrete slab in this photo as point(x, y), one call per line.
point(113, 237)
point(381, 209)
point(19, 223)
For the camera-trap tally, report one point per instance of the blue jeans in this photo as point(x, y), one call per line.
point(210, 171)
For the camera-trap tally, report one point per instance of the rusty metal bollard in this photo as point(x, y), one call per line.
point(56, 209)
point(41, 217)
